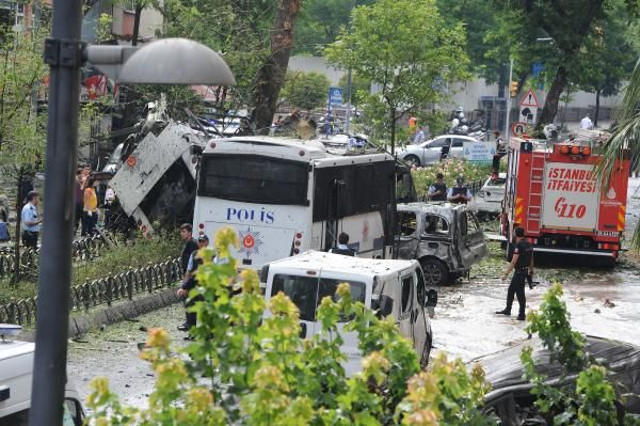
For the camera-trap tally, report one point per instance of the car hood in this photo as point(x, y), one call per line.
point(504, 370)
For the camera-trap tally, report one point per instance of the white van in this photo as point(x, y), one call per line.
point(16, 376)
point(390, 287)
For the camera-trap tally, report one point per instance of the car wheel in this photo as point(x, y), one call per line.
point(426, 353)
point(412, 160)
point(435, 272)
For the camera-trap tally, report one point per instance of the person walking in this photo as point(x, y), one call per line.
point(343, 246)
point(109, 199)
point(189, 282)
point(420, 137)
point(30, 221)
point(79, 183)
point(522, 263)
point(438, 190)
point(89, 209)
point(459, 194)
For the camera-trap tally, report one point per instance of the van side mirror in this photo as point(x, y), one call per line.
point(382, 305)
point(432, 299)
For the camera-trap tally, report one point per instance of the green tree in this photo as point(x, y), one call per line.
point(407, 50)
point(358, 84)
point(305, 90)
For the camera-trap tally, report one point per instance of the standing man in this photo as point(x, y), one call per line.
point(189, 282)
point(459, 194)
point(190, 246)
point(501, 151)
point(586, 122)
point(522, 263)
point(419, 138)
point(438, 190)
point(30, 221)
point(343, 246)
point(79, 196)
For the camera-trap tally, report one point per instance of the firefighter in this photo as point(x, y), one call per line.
point(459, 194)
point(522, 263)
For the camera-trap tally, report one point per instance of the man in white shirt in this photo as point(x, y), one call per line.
point(586, 122)
point(419, 138)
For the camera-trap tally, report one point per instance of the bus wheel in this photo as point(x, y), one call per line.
point(435, 272)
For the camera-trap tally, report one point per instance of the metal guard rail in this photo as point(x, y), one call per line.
point(97, 292)
point(83, 249)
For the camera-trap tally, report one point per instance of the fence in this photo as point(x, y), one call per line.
point(98, 292)
point(83, 249)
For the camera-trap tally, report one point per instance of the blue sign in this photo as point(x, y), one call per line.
point(537, 69)
point(335, 95)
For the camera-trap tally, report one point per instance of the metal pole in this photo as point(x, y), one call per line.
point(348, 102)
point(507, 127)
point(63, 54)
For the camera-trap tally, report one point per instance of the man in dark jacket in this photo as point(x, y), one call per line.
point(343, 246)
point(189, 282)
point(522, 263)
point(438, 190)
point(459, 194)
point(190, 246)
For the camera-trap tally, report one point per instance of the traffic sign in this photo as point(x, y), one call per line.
point(335, 95)
point(530, 100)
point(518, 129)
point(528, 114)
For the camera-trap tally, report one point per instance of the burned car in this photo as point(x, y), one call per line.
point(445, 238)
point(510, 398)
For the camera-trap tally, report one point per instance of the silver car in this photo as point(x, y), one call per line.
point(432, 151)
point(488, 201)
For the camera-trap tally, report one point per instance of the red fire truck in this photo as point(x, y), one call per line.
point(552, 192)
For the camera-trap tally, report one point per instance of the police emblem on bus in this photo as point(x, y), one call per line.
point(250, 242)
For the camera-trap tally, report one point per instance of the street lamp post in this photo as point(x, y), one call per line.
point(166, 61)
point(507, 127)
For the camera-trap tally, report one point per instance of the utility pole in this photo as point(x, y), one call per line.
point(507, 127)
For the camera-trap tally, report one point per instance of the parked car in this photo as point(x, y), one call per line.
point(390, 287)
point(432, 151)
point(488, 199)
point(510, 397)
point(16, 376)
point(445, 238)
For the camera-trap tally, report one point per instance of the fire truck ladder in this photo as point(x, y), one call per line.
point(534, 209)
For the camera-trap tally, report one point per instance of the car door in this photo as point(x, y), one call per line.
point(406, 308)
point(433, 150)
point(472, 247)
point(419, 316)
point(456, 149)
point(407, 235)
point(303, 292)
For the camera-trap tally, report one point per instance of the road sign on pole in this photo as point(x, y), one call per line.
point(530, 100)
point(335, 96)
point(518, 129)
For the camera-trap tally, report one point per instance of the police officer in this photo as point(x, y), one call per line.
point(438, 190)
point(522, 263)
point(343, 246)
point(459, 194)
point(30, 221)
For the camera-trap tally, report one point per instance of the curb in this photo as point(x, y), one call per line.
point(130, 309)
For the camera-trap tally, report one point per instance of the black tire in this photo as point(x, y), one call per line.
point(435, 272)
point(412, 160)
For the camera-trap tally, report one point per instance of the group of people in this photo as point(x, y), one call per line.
point(87, 212)
point(458, 194)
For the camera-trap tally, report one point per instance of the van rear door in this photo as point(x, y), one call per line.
point(472, 247)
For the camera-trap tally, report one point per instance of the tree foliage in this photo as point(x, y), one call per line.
point(245, 367)
point(412, 57)
point(305, 90)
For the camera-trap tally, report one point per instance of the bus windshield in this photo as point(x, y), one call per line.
point(254, 179)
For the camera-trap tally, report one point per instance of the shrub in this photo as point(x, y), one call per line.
point(246, 368)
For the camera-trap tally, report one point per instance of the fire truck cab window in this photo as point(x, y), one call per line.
point(435, 225)
point(407, 221)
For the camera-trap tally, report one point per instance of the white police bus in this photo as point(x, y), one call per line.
point(286, 196)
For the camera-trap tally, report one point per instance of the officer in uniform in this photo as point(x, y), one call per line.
point(522, 263)
point(438, 191)
point(459, 194)
point(343, 246)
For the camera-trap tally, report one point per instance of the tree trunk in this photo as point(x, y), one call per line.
point(16, 247)
point(393, 131)
point(270, 76)
point(502, 80)
point(553, 97)
point(136, 24)
point(597, 113)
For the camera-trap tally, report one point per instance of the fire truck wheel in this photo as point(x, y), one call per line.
point(412, 160)
point(435, 272)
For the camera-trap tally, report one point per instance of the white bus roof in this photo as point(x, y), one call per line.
point(329, 262)
point(270, 145)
